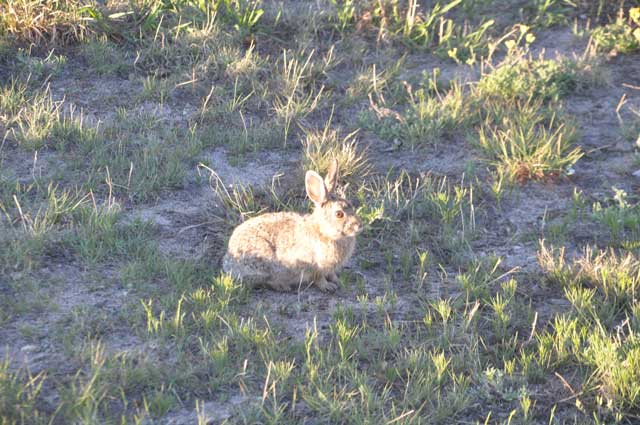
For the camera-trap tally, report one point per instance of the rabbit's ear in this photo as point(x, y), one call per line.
point(331, 179)
point(316, 189)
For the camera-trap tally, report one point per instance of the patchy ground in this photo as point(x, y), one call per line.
point(130, 154)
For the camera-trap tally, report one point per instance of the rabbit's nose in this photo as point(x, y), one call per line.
point(357, 226)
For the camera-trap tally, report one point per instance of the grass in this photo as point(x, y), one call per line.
point(620, 217)
point(39, 23)
point(114, 116)
point(524, 147)
point(601, 288)
point(321, 147)
point(546, 79)
point(296, 101)
point(513, 113)
point(621, 36)
point(19, 394)
point(429, 114)
point(104, 57)
point(33, 119)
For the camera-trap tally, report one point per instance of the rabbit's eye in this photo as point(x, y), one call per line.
point(339, 214)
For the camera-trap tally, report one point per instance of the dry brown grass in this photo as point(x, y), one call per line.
point(44, 23)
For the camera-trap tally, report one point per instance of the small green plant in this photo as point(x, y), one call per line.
point(464, 45)
point(61, 207)
point(430, 116)
point(36, 120)
point(419, 28)
point(621, 218)
point(479, 278)
point(40, 68)
point(524, 146)
point(155, 89)
point(519, 78)
point(243, 14)
point(621, 36)
point(345, 11)
point(615, 277)
point(601, 286)
point(548, 13)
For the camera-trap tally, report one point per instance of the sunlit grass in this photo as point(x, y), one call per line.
point(442, 316)
point(524, 146)
point(620, 36)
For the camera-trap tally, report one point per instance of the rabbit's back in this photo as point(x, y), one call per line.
point(276, 227)
point(258, 249)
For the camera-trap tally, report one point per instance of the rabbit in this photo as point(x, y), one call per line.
point(286, 250)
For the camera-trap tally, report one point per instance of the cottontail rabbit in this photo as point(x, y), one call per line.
point(286, 250)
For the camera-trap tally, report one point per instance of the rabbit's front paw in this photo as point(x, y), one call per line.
point(333, 277)
point(326, 286)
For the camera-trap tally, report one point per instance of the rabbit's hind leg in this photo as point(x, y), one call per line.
point(260, 279)
point(255, 280)
point(324, 285)
point(333, 277)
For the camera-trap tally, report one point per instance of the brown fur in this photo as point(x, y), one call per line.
point(288, 250)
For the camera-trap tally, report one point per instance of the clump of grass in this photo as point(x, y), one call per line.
point(422, 212)
point(615, 277)
point(156, 89)
point(344, 14)
point(98, 236)
point(429, 114)
point(35, 120)
point(139, 154)
point(128, 150)
point(615, 364)
point(243, 14)
point(13, 96)
point(19, 395)
point(548, 13)
point(74, 221)
point(60, 205)
point(229, 122)
point(433, 28)
point(621, 36)
point(249, 66)
point(247, 137)
point(37, 68)
point(36, 218)
point(524, 145)
point(297, 98)
point(602, 287)
point(465, 44)
point(104, 57)
point(622, 219)
point(520, 78)
point(321, 147)
point(35, 22)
